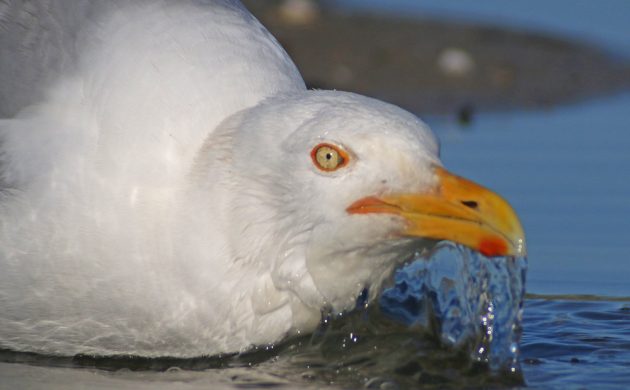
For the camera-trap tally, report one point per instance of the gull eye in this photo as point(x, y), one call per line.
point(328, 157)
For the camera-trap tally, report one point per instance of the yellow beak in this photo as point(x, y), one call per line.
point(458, 210)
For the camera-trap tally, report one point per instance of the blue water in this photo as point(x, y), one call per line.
point(576, 344)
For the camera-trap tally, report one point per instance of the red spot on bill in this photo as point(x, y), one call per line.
point(493, 247)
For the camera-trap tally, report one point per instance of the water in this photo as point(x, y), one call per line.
point(576, 343)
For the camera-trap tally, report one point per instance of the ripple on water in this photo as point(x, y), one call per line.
point(572, 342)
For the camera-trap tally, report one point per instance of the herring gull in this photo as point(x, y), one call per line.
point(171, 188)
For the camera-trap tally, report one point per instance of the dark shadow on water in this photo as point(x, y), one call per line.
point(360, 349)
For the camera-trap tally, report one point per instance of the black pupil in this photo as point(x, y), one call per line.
point(329, 156)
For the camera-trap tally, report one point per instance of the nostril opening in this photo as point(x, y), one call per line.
point(471, 204)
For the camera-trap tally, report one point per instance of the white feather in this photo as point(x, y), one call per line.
point(159, 194)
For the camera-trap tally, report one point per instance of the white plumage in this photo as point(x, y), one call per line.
point(159, 194)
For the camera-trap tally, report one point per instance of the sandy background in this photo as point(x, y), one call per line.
point(431, 66)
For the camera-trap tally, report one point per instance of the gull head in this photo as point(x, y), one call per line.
point(332, 190)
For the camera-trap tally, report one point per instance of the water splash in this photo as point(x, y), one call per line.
point(466, 299)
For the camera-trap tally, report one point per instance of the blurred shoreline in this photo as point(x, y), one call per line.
point(430, 66)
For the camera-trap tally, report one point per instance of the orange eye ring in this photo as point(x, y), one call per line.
point(328, 157)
